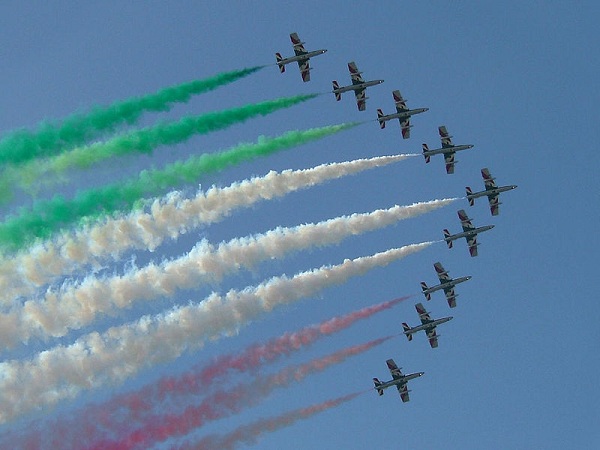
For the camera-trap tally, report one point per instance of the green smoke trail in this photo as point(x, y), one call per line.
point(48, 216)
point(52, 138)
point(145, 140)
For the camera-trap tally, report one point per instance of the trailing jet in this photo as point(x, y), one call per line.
point(358, 86)
point(427, 324)
point(491, 191)
point(302, 57)
point(446, 283)
point(469, 233)
point(398, 379)
point(448, 149)
point(402, 114)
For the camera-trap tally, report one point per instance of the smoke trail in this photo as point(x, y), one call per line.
point(52, 138)
point(143, 141)
point(167, 218)
point(224, 403)
point(98, 359)
point(49, 216)
point(76, 305)
point(248, 434)
point(131, 408)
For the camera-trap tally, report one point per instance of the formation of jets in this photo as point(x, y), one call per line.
point(448, 150)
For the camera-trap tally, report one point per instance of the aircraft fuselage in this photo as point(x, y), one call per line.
point(302, 57)
point(403, 114)
point(428, 325)
point(357, 87)
point(494, 191)
point(447, 284)
point(400, 381)
point(444, 150)
point(468, 234)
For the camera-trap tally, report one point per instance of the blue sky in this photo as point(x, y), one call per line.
point(515, 368)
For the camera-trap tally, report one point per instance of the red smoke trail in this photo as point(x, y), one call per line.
point(248, 434)
point(125, 410)
point(224, 403)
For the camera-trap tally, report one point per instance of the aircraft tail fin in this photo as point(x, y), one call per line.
point(446, 236)
point(406, 329)
point(469, 193)
point(424, 288)
point(338, 96)
point(379, 116)
point(426, 149)
point(279, 58)
point(377, 384)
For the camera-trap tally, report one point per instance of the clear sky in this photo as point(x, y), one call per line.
point(517, 366)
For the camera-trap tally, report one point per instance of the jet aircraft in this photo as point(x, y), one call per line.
point(448, 149)
point(427, 324)
point(469, 233)
point(358, 86)
point(302, 57)
point(491, 191)
point(398, 379)
point(402, 114)
point(446, 283)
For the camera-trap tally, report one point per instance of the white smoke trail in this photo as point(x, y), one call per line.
point(167, 218)
point(75, 306)
point(98, 359)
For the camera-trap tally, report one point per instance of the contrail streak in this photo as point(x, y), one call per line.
point(132, 407)
point(224, 403)
point(52, 138)
point(248, 434)
point(141, 141)
point(46, 217)
point(77, 305)
point(98, 359)
point(166, 218)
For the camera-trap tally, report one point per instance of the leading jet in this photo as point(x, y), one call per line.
point(446, 283)
point(448, 149)
point(302, 57)
point(491, 191)
point(469, 233)
point(427, 324)
point(358, 86)
point(402, 114)
point(398, 379)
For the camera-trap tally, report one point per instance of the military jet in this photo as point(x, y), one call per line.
point(358, 86)
point(446, 283)
point(402, 114)
point(427, 324)
point(491, 191)
point(469, 233)
point(448, 149)
point(398, 379)
point(302, 57)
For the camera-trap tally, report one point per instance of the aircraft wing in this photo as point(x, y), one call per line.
point(403, 389)
point(361, 99)
point(472, 243)
point(400, 102)
point(441, 272)
point(432, 336)
point(355, 74)
point(423, 314)
point(450, 297)
point(449, 159)
point(488, 179)
point(465, 221)
point(298, 44)
point(494, 204)
point(445, 137)
point(304, 70)
point(405, 125)
point(394, 369)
